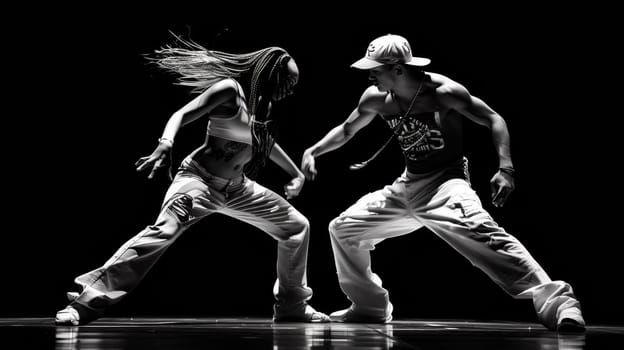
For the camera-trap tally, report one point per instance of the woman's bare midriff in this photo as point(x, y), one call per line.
point(223, 158)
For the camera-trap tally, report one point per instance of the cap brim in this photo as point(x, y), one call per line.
point(365, 63)
point(419, 61)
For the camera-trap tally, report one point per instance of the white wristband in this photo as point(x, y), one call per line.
point(162, 139)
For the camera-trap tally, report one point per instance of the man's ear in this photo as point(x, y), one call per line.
point(398, 69)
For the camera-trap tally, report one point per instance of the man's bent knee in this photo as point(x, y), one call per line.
point(345, 231)
point(334, 226)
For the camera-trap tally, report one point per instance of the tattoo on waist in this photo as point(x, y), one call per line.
point(228, 151)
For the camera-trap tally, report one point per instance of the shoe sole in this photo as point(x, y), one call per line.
point(570, 326)
point(362, 319)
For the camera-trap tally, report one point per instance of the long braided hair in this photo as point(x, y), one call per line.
point(199, 68)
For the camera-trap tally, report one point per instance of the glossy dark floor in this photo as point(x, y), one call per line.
point(255, 333)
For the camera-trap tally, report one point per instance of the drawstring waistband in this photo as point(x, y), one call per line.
point(221, 184)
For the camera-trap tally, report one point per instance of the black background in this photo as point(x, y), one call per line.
point(83, 106)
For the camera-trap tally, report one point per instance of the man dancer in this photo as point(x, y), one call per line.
point(425, 110)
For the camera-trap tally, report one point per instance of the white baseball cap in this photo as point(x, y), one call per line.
point(389, 49)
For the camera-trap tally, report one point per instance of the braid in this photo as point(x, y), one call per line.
point(258, 78)
point(262, 129)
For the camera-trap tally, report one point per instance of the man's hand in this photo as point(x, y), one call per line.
point(502, 184)
point(308, 165)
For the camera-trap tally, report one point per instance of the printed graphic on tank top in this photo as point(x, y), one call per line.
point(419, 135)
point(428, 141)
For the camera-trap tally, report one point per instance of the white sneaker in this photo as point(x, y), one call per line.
point(309, 316)
point(350, 316)
point(67, 317)
point(571, 320)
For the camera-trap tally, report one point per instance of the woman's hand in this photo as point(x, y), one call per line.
point(293, 188)
point(160, 158)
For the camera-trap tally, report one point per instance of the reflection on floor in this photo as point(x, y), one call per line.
point(257, 333)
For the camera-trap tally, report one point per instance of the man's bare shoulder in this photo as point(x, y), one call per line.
point(442, 82)
point(450, 93)
point(373, 99)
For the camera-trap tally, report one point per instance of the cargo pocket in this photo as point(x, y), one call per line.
point(470, 212)
point(180, 207)
point(466, 205)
